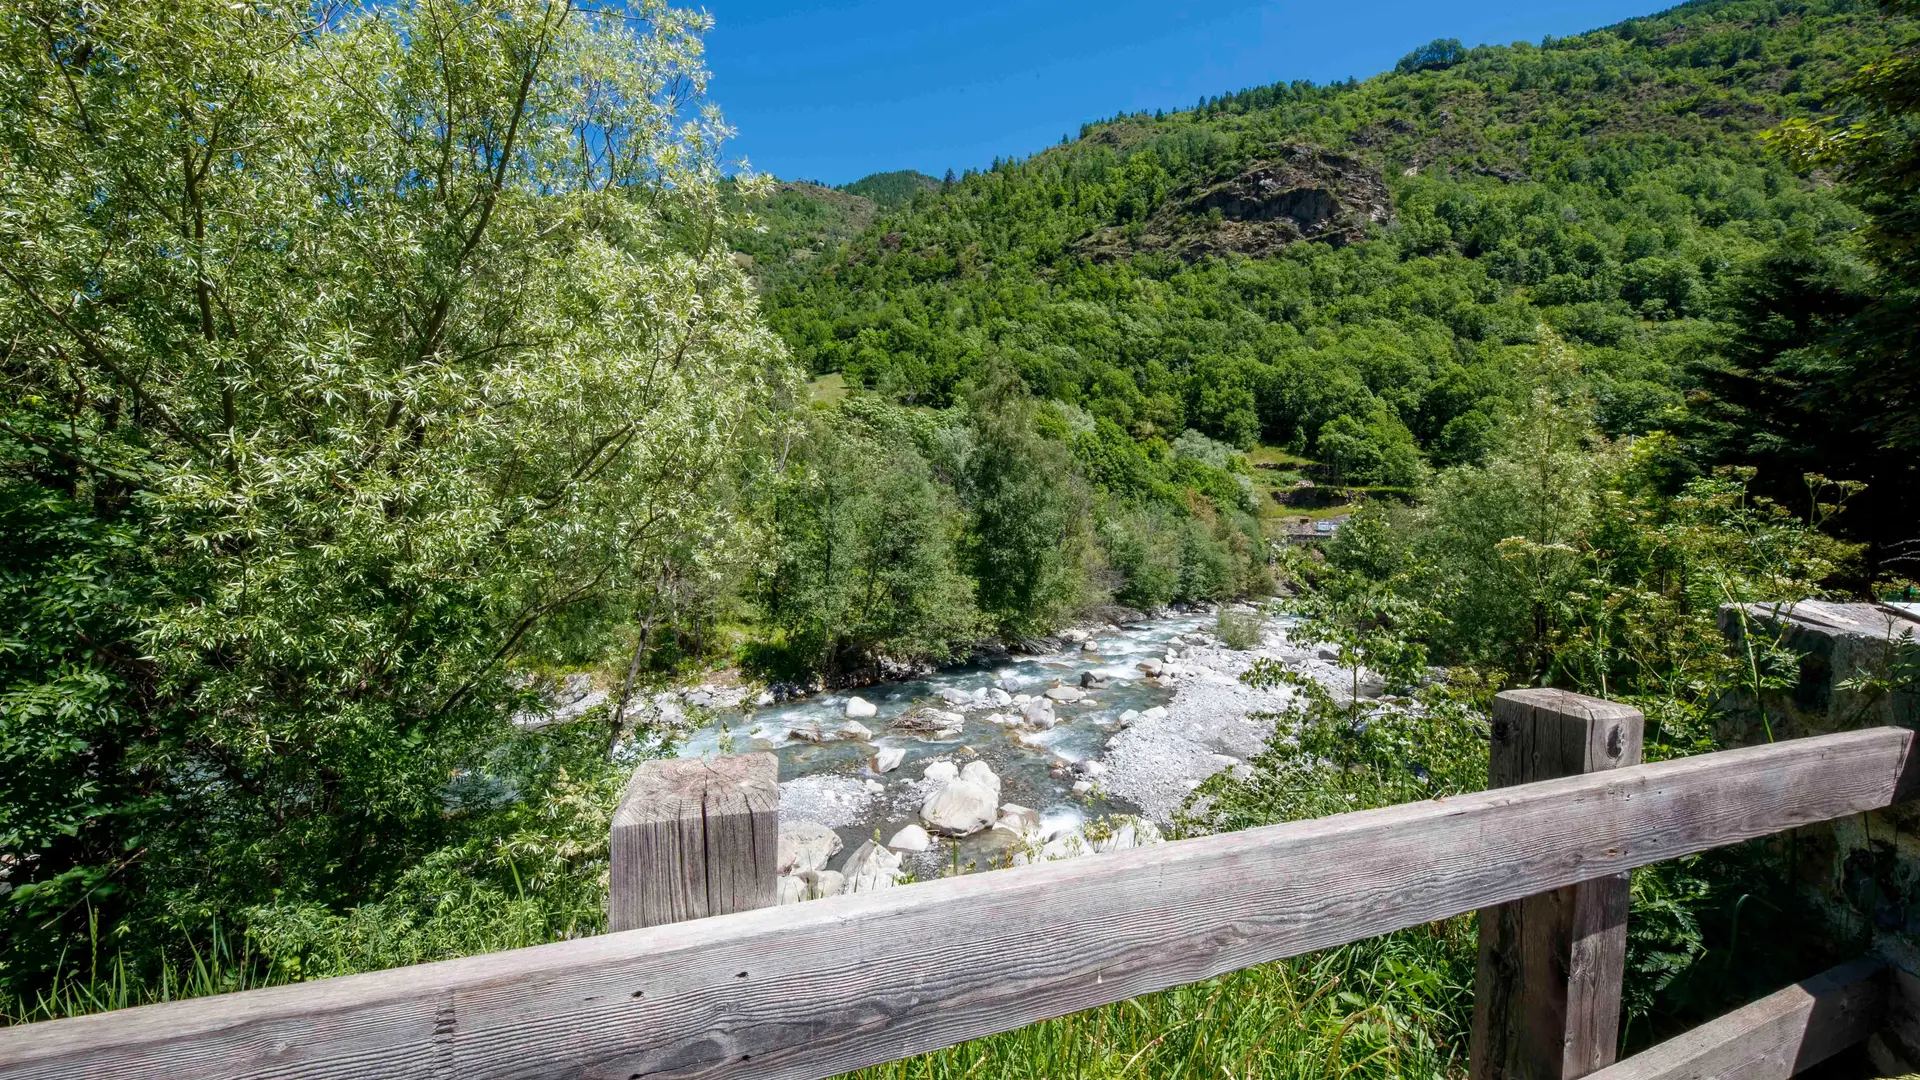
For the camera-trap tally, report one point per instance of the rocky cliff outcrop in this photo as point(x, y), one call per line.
point(1301, 193)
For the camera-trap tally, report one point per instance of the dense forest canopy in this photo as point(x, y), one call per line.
point(1612, 187)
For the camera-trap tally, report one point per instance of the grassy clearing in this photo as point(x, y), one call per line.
point(828, 389)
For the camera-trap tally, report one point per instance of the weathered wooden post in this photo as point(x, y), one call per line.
point(1546, 997)
point(694, 837)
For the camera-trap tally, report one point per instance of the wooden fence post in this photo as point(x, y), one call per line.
point(695, 837)
point(1546, 997)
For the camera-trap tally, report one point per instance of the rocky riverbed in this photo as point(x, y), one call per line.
point(1089, 745)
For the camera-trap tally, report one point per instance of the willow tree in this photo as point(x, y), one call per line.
point(344, 347)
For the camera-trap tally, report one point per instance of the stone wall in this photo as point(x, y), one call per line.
point(1859, 666)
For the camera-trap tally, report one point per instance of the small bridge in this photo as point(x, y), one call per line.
point(816, 989)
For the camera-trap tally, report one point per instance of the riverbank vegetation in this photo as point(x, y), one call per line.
point(366, 369)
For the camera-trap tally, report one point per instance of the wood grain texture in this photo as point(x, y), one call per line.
point(1775, 1037)
point(695, 837)
point(1546, 1001)
point(816, 989)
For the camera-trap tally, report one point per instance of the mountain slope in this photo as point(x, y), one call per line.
point(1390, 251)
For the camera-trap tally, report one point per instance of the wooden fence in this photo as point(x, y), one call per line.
point(816, 989)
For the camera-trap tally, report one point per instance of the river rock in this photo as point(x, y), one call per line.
point(941, 772)
point(1151, 666)
point(812, 885)
point(960, 808)
point(998, 696)
point(1372, 683)
point(1158, 712)
point(1129, 717)
point(910, 838)
point(1327, 652)
point(854, 729)
point(954, 696)
point(806, 845)
point(1066, 695)
point(870, 867)
point(1039, 713)
point(859, 708)
point(1081, 787)
point(888, 758)
point(1091, 769)
point(978, 772)
point(789, 890)
point(1018, 819)
point(1075, 636)
point(933, 723)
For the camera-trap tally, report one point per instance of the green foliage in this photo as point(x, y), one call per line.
point(1819, 373)
point(1436, 55)
point(1239, 629)
point(1564, 560)
point(868, 565)
point(890, 189)
point(1376, 450)
point(1029, 545)
point(340, 375)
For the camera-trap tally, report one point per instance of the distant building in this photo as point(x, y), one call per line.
point(1311, 531)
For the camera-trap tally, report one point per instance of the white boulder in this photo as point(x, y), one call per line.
point(1151, 666)
point(1066, 695)
point(1018, 819)
point(888, 758)
point(961, 808)
point(998, 696)
point(854, 729)
point(942, 772)
point(1158, 712)
point(1038, 713)
point(953, 696)
point(806, 845)
point(910, 838)
point(859, 708)
point(978, 772)
point(789, 890)
point(870, 867)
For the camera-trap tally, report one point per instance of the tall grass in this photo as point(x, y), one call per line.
point(216, 963)
point(1393, 1007)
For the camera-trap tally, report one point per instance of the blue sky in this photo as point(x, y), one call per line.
point(834, 91)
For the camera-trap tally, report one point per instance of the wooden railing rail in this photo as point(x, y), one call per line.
point(1775, 1037)
point(816, 989)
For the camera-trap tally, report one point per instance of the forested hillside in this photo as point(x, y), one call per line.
point(1339, 269)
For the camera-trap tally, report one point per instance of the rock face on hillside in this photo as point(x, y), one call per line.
point(1301, 193)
